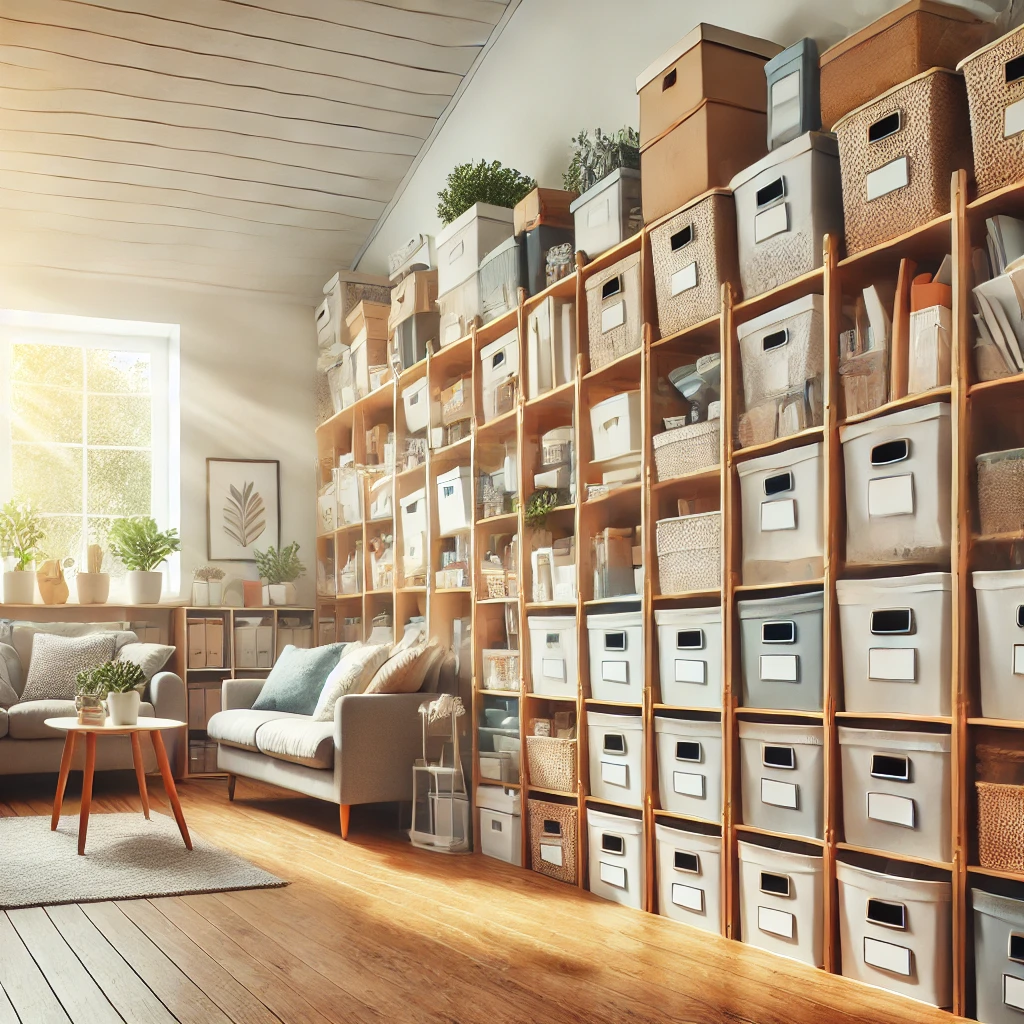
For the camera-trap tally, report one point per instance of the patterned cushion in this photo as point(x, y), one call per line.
point(21, 634)
point(57, 660)
point(405, 671)
point(353, 673)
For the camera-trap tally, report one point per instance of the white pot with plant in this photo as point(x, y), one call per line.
point(279, 570)
point(121, 682)
point(21, 532)
point(208, 586)
point(93, 585)
point(141, 547)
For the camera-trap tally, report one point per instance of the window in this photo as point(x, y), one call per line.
point(88, 424)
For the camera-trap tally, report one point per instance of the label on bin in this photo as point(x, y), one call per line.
point(683, 280)
point(551, 854)
point(1018, 659)
point(775, 922)
point(553, 668)
point(1013, 991)
point(597, 214)
point(613, 316)
point(887, 178)
point(893, 664)
point(613, 874)
point(688, 897)
point(1013, 119)
point(689, 671)
point(891, 495)
point(615, 671)
point(688, 784)
point(896, 810)
point(779, 794)
point(614, 774)
point(771, 222)
point(780, 668)
point(778, 515)
point(887, 955)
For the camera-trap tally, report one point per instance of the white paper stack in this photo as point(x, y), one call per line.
point(999, 291)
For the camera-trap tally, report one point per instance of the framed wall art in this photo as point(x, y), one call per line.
point(243, 508)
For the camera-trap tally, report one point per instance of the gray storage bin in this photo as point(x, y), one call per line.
point(781, 651)
point(500, 280)
point(689, 754)
point(415, 335)
point(998, 957)
point(689, 868)
point(690, 656)
point(608, 212)
point(794, 104)
point(1000, 601)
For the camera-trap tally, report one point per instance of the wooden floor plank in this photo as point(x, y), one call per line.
point(7, 1014)
point(30, 995)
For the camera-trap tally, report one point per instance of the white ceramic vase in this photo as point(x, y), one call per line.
point(200, 593)
point(123, 708)
point(216, 592)
point(144, 587)
point(20, 587)
point(92, 587)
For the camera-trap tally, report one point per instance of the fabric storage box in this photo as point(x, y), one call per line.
point(459, 310)
point(794, 101)
point(463, 244)
point(694, 254)
point(608, 212)
point(897, 656)
point(616, 744)
point(500, 766)
point(896, 793)
point(689, 449)
point(552, 762)
point(782, 516)
point(501, 824)
point(689, 552)
point(785, 204)
point(1001, 815)
point(417, 407)
point(781, 649)
point(414, 532)
point(500, 279)
point(616, 644)
point(898, 471)
point(896, 929)
point(689, 753)
point(499, 361)
point(415, 336)
point(1000, 601)
point(690, 656)
point(617, 859)
point(454, 501)
point(897, 153)
point(616, 426)
point(781, 899)
point(998, 957)
point(911, 39)
point(614, 314)
point(550, 346)
point(553, 655)
point(782, 777)
point(553, 844)
point(1001, 491)
point(689, 868)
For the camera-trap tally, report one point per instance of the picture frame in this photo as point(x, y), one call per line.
point(243, 507)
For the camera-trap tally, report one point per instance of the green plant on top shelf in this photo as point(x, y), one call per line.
point(481, 182)
point(595, 158)
point(539, 506)
point(139, 545)
point(21, 533)
point(279, 566)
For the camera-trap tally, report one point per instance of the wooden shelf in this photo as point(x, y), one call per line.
point(755, 831)
point(892, 716)
point(781, 444)
point(541, 696)
point(501, 693)
point(711, 592)
point(550, 792)
point(506, 421)
point(625, 365)
point(909, 402)
point(995, 723)
point(780, 712)
point(563, 396)
point(933, 235)
point(986, 387)
point(757, 588)
point(889, 855)
point(1010, 876)
point(701, 476)
point(806, 284)
point(676, 816)
point(705, 328)
point(505, 519)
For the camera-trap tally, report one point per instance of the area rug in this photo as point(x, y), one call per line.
point(126, 857)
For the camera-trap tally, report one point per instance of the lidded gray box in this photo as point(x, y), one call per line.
point(794, 102)
point(608, 212)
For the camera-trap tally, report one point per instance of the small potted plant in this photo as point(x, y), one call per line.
point(21, 533)
point(481, 182)
point(93, 585)
point(89, 698)
point(207, 586)
point(280, 569)
point(120, 682)
point(141, 547)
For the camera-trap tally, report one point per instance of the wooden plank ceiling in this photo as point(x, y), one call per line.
point(244, 144)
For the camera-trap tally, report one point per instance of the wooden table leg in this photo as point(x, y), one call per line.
point(90, 767)
point(62, 781)
point(172, 793)
point(140, 773)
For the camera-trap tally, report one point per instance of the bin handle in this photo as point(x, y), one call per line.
point(886, 913)
point(683, 237)
point(693, 639)
point(608, 424)
point(771, 193)
point(611, 287)
point(785, 635)
point(774, 340)
point(900, 623)
point(782, 757)
point(552, 827)
point(611, 843)
point(885, 126)
point(683, 755)
point(618, 746)
point(1015, 948)
point(773, 884)
point(890, 766)
point(669, 80)
point(889, 452)
point(687, 862)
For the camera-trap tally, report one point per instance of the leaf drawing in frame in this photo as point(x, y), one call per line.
point(245, 516)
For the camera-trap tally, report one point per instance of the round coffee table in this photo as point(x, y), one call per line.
point(153, 726)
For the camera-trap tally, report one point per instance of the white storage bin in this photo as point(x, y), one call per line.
point(458, 309)
point(690, 766)
point(781, 900)
point(617, 426)
point(417, 406)
point(464, 243)
point(553, 655)
point(608, 212)
point(550, 346)
point(896, 791)
point(895, 930)
point(782, 777)
point(897, 655)
point(1000, 600)
point(898, 471)
point(454, 501)
point(380, 498)
point(782, 516)
point(616, 642)
point(498, 362)
point(616, 857)
point(689, 868)
point(998, 957)
point(500, 766)
point(500, 280)
point(616, 758)
point(414, 532)
point(501, 824)
point(690, 656)
point(781, 649)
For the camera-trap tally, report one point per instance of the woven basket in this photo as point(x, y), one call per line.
point(624, 333)
point(690, 552)
point(500, 669)
point(1000, 826)
point(552, 763)
point(687, 449)
point(1001, 491)
point(566, 818)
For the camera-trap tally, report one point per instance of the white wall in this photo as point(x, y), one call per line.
point(246, 389)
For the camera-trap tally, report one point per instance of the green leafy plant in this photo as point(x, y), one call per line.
point(21, 533)
point(140, 545)
point(539, 506)
point(595, 158)
point(110, 677)
point(481, 182)
point(279, 566)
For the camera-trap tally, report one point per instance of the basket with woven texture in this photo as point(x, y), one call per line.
point(1000, 826)
point(687, 449)
point(553, 839)
point(501, 669)
point(689, 552)
point(552, 761)
point(613, 311)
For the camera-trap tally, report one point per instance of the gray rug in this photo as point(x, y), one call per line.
point(126, 857)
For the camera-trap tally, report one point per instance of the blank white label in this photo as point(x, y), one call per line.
point(613, 874)
point(551, 854)
point(893, 664)
point(888, 178)
point(688, 671)
point(779, 794)
point(897, 810)
point(887, 955)
point(613, 316)
point(891, 495)
point(615, 671)
point(1013, 119)
point(683, 280)
point(771, 222)
point(1013, 991)
point(615, 774)
point(688, 897)
point(688, 784)
point(776, 922)
point(597, 214)
point(778, 515)
point(553, 668)
point(1018, 659)
point(780, 668)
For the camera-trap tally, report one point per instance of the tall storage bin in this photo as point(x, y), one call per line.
point(464, 243)
point(1000, 600)
point(898, 472)
point(896, 793)
point(616, 644)
point(500, 279)
point(690, 656)
point(785, 204)
point(454, 501)
point(617, 858)
point(782, 516)
point(616, 758)
point(553, 655)
point(690, 766)
point(550, 346)
point(781, 898)
point(794, 102)
point(694, 254)
point(614, 314)
point(616, 426)
point(897, 656)
point(782, 777)
point(689, 866)
point(499, 362)
point(689, 552)
point(553, 845)
point(896, 930)
point(897, 153)
point(998, 957)
point(608, 212)
point(501, 824)
point(781, 650)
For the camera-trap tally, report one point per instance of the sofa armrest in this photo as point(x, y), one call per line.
point(167, 695)
point(240, 693)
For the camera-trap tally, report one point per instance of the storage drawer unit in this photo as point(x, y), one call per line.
point(782, 777)
point(616, 845)
point(616, 426)
point(896, 644)
point(1000, 601)
point(553, 839)
point(689, 754)
point(616, 644)
point(689, 553)
point(501, 824)
point(553, 655)
point(608, 212)
point(614, 314)
point(499, 362)
point(998, 957)
point(689, 867)
point(1001, 491)
point(550, 346)
point(690, 656)
point(896, 791)
point(616, 758)
point(794, 102)
point(463, 244)
point(454, 501)
point(781, 650)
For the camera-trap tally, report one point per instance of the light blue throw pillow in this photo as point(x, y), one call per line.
point(298, 676)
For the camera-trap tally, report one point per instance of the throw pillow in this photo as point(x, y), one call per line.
point(404, 672)
point(358, 665)
point(57, 660)
point(298, 676)
point(149, 657)
point(10, 675)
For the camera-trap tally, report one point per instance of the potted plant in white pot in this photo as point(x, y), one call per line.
point(21, 533)
point(121, 683)
point(141, 548)
point(208, 586)
point(93, 585)
point(280, 569)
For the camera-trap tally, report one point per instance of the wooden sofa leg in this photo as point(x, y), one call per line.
point(231, 786)
point(344, 813)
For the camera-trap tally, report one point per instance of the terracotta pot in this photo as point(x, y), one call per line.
point(123, 708)
point(20, 587)
point(92, 587)
point(144, 587)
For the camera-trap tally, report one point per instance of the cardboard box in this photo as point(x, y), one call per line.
point(197, 708)
point(544, 206)
point(212, 702)
point(245, 647)
point(415, 294)
point(285, 636)
point(264, 646)
point(326, 631)
point(196, 643)
point(214, 643)
point(371, 317)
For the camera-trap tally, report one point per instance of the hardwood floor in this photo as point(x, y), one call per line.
point(372, 930)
